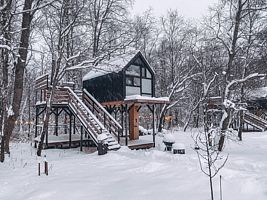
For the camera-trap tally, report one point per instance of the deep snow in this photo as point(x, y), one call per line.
point(133, 175)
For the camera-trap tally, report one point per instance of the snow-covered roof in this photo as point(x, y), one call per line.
point(114, 64)
point(257, 93)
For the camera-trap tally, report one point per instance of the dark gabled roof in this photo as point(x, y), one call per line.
point(114, 64)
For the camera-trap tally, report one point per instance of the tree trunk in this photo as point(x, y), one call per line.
point(161, 118)
point(46, 121)
point(240, 128)
point(19, 73)
point(225, 126)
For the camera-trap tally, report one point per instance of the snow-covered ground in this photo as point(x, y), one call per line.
point(133, 175)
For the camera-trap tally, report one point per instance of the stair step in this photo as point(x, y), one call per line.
point(112, 143)
point(111, 139)
point(114, 147)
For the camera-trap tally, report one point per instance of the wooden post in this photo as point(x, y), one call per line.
point(134, 122)
point(45, 166)
point(74, 124)
point(122, 125)
point(36, 123)
point(39, 169)
point(81, 142)
point(46, 136)
point(126, 131)
point(241, 124)
point(56, 122)
point(153, 124)
point(70, 131)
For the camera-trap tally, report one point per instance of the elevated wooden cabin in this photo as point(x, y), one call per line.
point(113, 94)
point(125, 83)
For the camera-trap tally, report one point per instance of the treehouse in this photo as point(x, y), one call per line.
point(123, 85)
point(120, 77)
point(113, 95)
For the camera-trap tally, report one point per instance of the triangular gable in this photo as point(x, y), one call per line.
point(117, 64)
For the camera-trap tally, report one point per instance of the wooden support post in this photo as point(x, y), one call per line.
point(36, 123)
point(70, 131)
point(122, 125)
point(134, 122)
point(81, 141)
point(153, 124)
point(46, 136)
point(74, 124)
point(126, 131)
point(45, 166)
point(56, 122)
point(39, 169)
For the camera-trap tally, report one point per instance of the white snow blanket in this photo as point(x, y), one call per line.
point(135, 175)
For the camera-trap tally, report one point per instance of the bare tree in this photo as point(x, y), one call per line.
point(229, 24)
point(210, 159)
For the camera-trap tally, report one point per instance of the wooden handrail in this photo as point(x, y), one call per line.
point(109, 122)
point(257, 121)
point(102, 108)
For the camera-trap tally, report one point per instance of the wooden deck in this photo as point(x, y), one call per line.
point(144, 142)
point(62, 141)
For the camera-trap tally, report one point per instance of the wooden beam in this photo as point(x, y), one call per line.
point(134, 122)
point(113, 103)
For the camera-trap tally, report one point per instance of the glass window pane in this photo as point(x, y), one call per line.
point(129, 81)
point(146, 86)
point(136, 81)
point(133, 70)
point(143, 72)
point(132, 90)
point(148, 74)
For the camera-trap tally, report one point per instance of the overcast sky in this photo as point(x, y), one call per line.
point(187, 8)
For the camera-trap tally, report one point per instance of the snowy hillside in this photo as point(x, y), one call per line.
point(135, 175)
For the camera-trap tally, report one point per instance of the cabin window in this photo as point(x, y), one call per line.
point(133, 70)
point(146, 73)
point(132, 81)
point(132, 91)
point(146, 86)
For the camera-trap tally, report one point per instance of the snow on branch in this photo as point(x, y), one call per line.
point(3, 7)
point(237, 81)
point(3, 46)
point(38, 7)
point(177, 87)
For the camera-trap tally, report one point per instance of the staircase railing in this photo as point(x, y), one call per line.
point(102, 114)
point(255, 120)
point(86, 117)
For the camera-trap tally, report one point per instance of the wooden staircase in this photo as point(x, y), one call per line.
point(97, 121)
point(255, 121)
